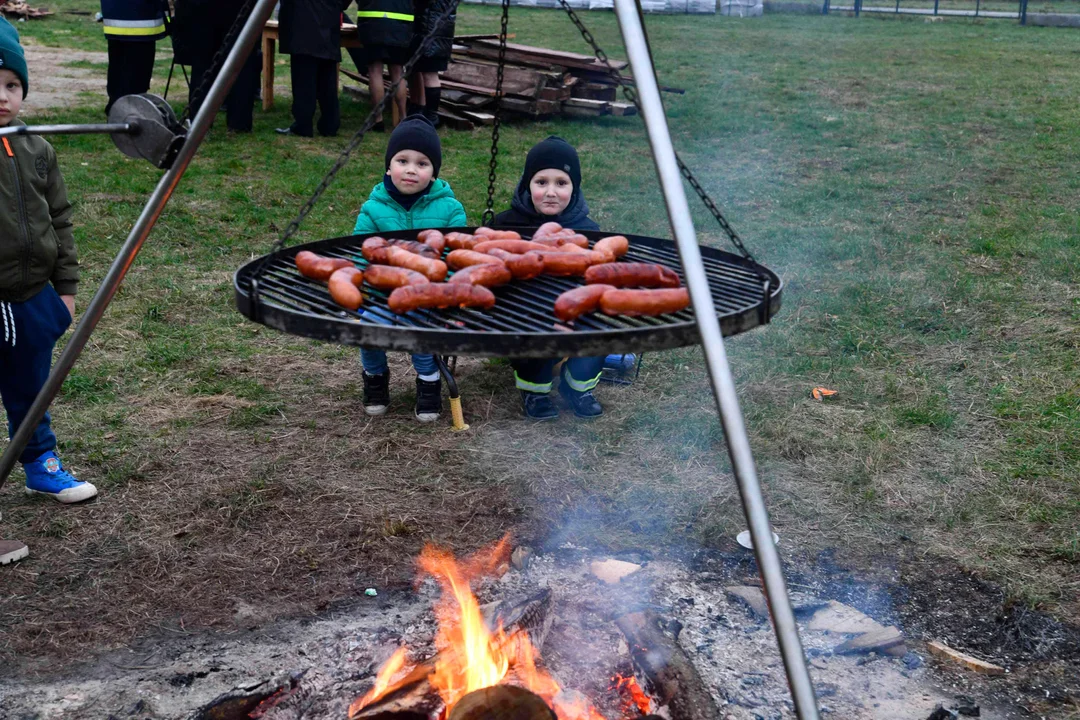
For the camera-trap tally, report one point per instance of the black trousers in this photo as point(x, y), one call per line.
point(240, 102)
point(131, 67)
point(314, 80)
point(582, 373)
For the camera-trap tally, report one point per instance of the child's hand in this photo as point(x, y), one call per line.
point(69, 302)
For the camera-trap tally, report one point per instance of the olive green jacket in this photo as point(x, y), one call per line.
point(37, 244)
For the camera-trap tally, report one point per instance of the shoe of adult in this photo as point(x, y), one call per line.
point(46, 476)
point(538, 406)
point(290, 131)
point(583, 404)
point(12, 550)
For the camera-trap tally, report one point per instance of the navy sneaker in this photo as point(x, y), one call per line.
point(538, 406)
point(46, 476)
point(376, 393)
point(583, 404)
point(428, 400)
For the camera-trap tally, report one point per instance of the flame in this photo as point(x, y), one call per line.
point(637, 696)
point(382, 681)
point(469, 655)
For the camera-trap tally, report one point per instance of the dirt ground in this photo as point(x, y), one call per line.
point(55, 83)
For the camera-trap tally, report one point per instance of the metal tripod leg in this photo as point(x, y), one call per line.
point(712, 341)
point(150, 213)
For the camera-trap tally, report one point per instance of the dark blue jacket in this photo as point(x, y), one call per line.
point(135, 20)
point(385, 22)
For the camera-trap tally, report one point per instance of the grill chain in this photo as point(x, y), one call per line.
point(489, 212)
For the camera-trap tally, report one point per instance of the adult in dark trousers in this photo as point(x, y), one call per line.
point(199, 29)
point(310, 31)
point(425, 88)
point(132, 29)
point(385, 29)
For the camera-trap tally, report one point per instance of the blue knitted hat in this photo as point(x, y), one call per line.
point(11, 54)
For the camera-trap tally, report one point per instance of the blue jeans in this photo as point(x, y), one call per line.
point(374, 362)
point(25, 360)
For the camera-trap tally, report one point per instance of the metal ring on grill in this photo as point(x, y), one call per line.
point(521, 324)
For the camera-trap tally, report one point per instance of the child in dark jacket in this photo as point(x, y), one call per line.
point(385, 29)
point(38, 276)
point(410, 196)
point(550, 191)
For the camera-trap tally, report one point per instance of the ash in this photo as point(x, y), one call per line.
point(336, 657)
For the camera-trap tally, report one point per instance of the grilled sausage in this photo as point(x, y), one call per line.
point(522, 267)
point(458, 259)
point(374, 250)
point(345, 287)
point(643, 275)
point(615, 245)
point(462, 241)
point(433, 239)
point(574, 303)
point(567, 263)
point(580, 240)
point(318, 267)
point(385, 277)
point(514, 246)
point(490, 234)
point(433, 270)
point(547, 241)
point(644, 302)
point(548, 228)
point(486, 275)
point(416, 247)
point(440, 295)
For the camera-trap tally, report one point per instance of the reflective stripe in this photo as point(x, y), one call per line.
point(581, 385)
point(156, 22)
point(527, 386)
point(135, 28)
point(387, 15)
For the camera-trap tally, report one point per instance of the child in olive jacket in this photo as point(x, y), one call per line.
point(39, 273)
point(410, 196)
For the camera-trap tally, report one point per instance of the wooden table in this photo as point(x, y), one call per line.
point(350, 38)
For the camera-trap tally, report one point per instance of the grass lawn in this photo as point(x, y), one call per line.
point(914, 184)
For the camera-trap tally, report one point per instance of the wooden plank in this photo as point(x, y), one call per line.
point(602, 108)
point(489, 36)
point(520, 81)
point(554, 75)
point(971, 663)
point(453, 120)
point(555, 56)
point(621, 109)
point(531, 107)
point(461, 97)
point(595, 91)
point(554, 93)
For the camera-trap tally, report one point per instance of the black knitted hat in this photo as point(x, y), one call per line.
point(416, 133)
point(554, 153)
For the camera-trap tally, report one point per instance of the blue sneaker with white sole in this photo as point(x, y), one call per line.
point(46, 476)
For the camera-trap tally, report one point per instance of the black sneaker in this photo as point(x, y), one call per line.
point(428, 400)
point(538, 406)
point(583, 404)
point(376, 393)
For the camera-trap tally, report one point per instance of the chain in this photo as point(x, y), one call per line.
point(216, 62)
point(631, 95)
point(489, 213)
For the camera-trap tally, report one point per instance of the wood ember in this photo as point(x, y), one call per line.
point(885, 640)
point(670, 673)
point(751, 597)
point(22, 9)
point(502, 702)
point(971, 663)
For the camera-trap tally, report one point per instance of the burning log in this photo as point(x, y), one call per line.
point(670, 673)
point(502, 702)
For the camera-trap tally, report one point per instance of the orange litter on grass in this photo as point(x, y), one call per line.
point(819, 393)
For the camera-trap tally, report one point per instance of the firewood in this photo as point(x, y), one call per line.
point(502, 702)
point(515, 51)
point(672, 676)
point(520, 81)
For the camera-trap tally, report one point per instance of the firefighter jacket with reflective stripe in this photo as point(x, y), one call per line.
point(138, 20)
point(385, 22)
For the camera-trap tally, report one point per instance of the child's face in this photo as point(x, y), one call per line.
point(551, 190)
point(10, 96)
point(410, 171)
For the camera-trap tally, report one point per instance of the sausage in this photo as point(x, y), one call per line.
point(345, 287)
point(567, 263)
point(615, 245)
point(545, 240)
point(458, 259)
point(318, 267)
point(433, 239)
point(374, 250)
point(522, 267)
point(385, 277)
point(490, 234)
point(486, 275)
point(644, 302)
point(580, 240)
point(514, 246)
point(645, 275)
point(440, 295)
point(462, 241)
point(548, 228)
point(434, 270)
point(574, 303)
point(571, 247)
point(415, 247)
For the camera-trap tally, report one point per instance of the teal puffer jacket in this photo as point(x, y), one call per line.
point(381, 213)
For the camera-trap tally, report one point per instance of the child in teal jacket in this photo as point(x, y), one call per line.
point(410, 196)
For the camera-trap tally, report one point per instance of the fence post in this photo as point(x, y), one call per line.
point(935, 6)
point(825, 8)
point(858, 7)
point(977, 3)
point(897, 7)
point(1023, 12)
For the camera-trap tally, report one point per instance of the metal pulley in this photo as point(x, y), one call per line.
point(141, 126)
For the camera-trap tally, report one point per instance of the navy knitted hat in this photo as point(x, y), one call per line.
point(416, 133)
point(554, 153)
point(11, 54)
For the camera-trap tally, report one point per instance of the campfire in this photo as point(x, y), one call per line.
point(487, 662)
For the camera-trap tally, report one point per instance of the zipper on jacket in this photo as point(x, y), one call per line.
point(23, 222)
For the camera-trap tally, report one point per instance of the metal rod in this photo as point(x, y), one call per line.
point(151, 211)
point(742, 460)
point(100, 128)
